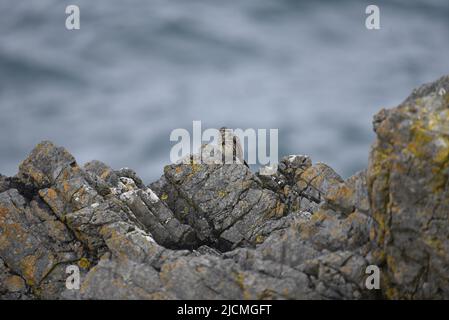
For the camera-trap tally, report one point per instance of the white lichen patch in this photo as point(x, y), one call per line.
point(305, 215)
point(128, 196)
point(119, 189)
point(128, 183)
point(153, 197)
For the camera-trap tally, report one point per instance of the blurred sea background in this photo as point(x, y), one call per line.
point(136, 70)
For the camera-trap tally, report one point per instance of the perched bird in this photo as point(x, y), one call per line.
point(230, 147)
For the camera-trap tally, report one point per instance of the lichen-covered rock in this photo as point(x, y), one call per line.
point(122, 279)
point(209, 277)
point(409, 193)
point(97, 195)
point(56, 216)
point(213, 231)
point(228, 200)
point(301, 185)
point(45, 164)
point(33, 242)
point(316, 181)
point(12, 286)
point(329, 249)
point(349, 195)
point(159, 219)
point(183, 209)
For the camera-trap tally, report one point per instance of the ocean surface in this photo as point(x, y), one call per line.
point(136, 70)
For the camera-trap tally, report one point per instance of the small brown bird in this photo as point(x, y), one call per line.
point(231, 147)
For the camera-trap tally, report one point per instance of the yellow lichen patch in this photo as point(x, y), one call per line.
point(84, 263)
point(28, 266)
point(441, 161)
point(14, 283)
point(286, 190)
point(380, 230)
point(178, 169)
point(392, 264)
point(11, 233)
point(391, 293)
point(341, 196)
point(436, 245)
point(37, 176)
point(442, 154)
point(439, 181)
point(119, 243)
point(372, 234)
point(319, 216)
point(240, 280)
point(65, 175)
point(51, 193)
point(419, 144)
point(279, 210)
point(276, 211)
point(105, 174)
point(259, 239)
point(3, 215)
point(378, 181)
point(164, 196)
point(3, 237)
point(222, 193)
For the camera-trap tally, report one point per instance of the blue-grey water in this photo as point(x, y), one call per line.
point(136, 70)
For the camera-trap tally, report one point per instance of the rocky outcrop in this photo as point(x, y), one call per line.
point(409, 193)
point(213, 231)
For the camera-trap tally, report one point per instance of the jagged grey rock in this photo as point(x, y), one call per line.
point(349, 195)
point(33, 242)
point(409, 193)
point(12, 286)
point(214, 231)
point(228, 200)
